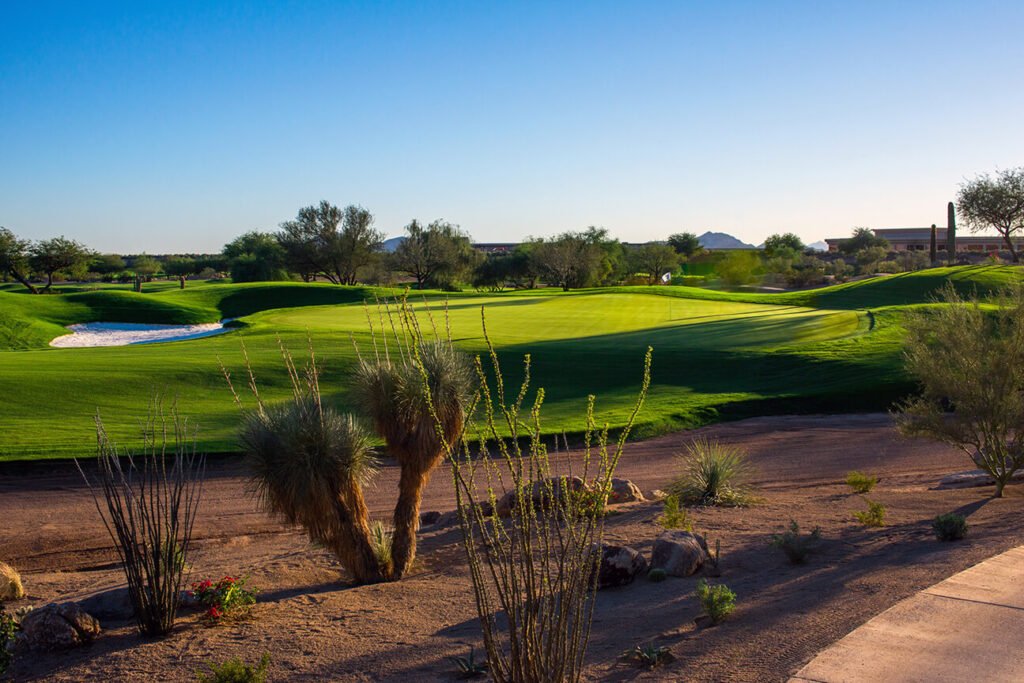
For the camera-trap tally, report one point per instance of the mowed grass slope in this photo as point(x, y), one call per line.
point(716, 356)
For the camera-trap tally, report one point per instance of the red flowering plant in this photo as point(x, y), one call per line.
point(226, 598)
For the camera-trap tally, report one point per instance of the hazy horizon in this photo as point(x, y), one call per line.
point(176, 128)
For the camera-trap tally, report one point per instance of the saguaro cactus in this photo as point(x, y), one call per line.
point(951, 232)
point(933, 251)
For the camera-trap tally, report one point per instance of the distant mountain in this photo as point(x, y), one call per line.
point(392, 244)
point(818, 246)
point(720, 240)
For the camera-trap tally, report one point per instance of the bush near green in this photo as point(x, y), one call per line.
point(236, 671)
point(874, 516)
point(716, 599)
point(950, 527)
point(861, 482)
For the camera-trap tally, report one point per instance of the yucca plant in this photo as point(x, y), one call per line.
point(393, 386)
point(713, 474)
point(308, 465)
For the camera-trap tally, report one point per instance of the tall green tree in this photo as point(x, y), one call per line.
point(995, 203)
point(436, 255)
point(779, 242)
point(570, 260)
point(330, 242)
point(107, 264)
point(59, 256)
point(685, 243)
point(14, 258)
point(654, 260)
point(255, 257)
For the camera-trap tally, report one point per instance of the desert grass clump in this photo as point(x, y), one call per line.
point(969, 359)
point(673, 515)
point(797, 546)
point(713, 474)
point(308, 464)
point(10, 583)
point(8, 632)
point(874, 516)
point(469, 666)
point(417, 401)
point(531, 570)
point(861, 482)
point(236, 671)
point(717, 600)
point(148, 503)
point(950, 527)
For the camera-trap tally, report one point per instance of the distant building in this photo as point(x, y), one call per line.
point(496, 247)
point(920, 239)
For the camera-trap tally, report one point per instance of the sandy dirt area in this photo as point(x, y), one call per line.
point(318, 628)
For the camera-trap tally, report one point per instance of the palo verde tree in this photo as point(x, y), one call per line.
point(436, 255)
point(59, 255)
point(969, 358)
point(570, 260)
point(14, 258)
point(995, 203)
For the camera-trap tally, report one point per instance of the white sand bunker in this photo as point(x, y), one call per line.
point(123, 334)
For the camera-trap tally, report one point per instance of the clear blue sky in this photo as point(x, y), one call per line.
point(176, 126)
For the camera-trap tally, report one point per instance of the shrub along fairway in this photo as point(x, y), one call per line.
point(717, 355)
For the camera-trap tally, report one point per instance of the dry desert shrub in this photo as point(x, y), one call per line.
point(10, 583)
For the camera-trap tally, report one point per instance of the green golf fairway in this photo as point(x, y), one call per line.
point(715, 354)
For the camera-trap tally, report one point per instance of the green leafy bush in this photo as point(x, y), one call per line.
point(236, 671)
point(224, 599)
point(950, 527)
point(713, 474)
point(861, 482)
point(797, 546)
point(874, 516)
point(657, 575)
point(717, 600)
point(673, 515)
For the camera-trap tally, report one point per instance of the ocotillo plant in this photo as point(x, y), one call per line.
point(534, 556)
point(393, 385)
point(951, 233)
point(149, 504)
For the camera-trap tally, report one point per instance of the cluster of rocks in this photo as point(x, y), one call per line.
point(676, 553)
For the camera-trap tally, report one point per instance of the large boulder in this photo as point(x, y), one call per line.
point(620, 565)
point(542, 493)
point(679, 553)
point(10, 583)
point(624, 491)
point(58, 626)
point(429, 518)
point(109, 605)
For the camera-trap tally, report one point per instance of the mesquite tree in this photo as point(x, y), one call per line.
point(995, 203)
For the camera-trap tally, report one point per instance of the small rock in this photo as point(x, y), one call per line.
point(657, 494)
point(10, 583)
point(679, 553)
point(620, 565)
point(624, 491)
point(429, 518)
point(58, 626)
point(109, 606)
point(971, 479)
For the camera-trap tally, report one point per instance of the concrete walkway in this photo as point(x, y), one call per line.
point(966, 628)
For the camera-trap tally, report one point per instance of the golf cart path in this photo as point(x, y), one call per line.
point(960, 629)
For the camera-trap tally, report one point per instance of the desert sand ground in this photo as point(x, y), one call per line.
point(318, 628)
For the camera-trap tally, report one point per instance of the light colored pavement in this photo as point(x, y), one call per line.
point(966, 628)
